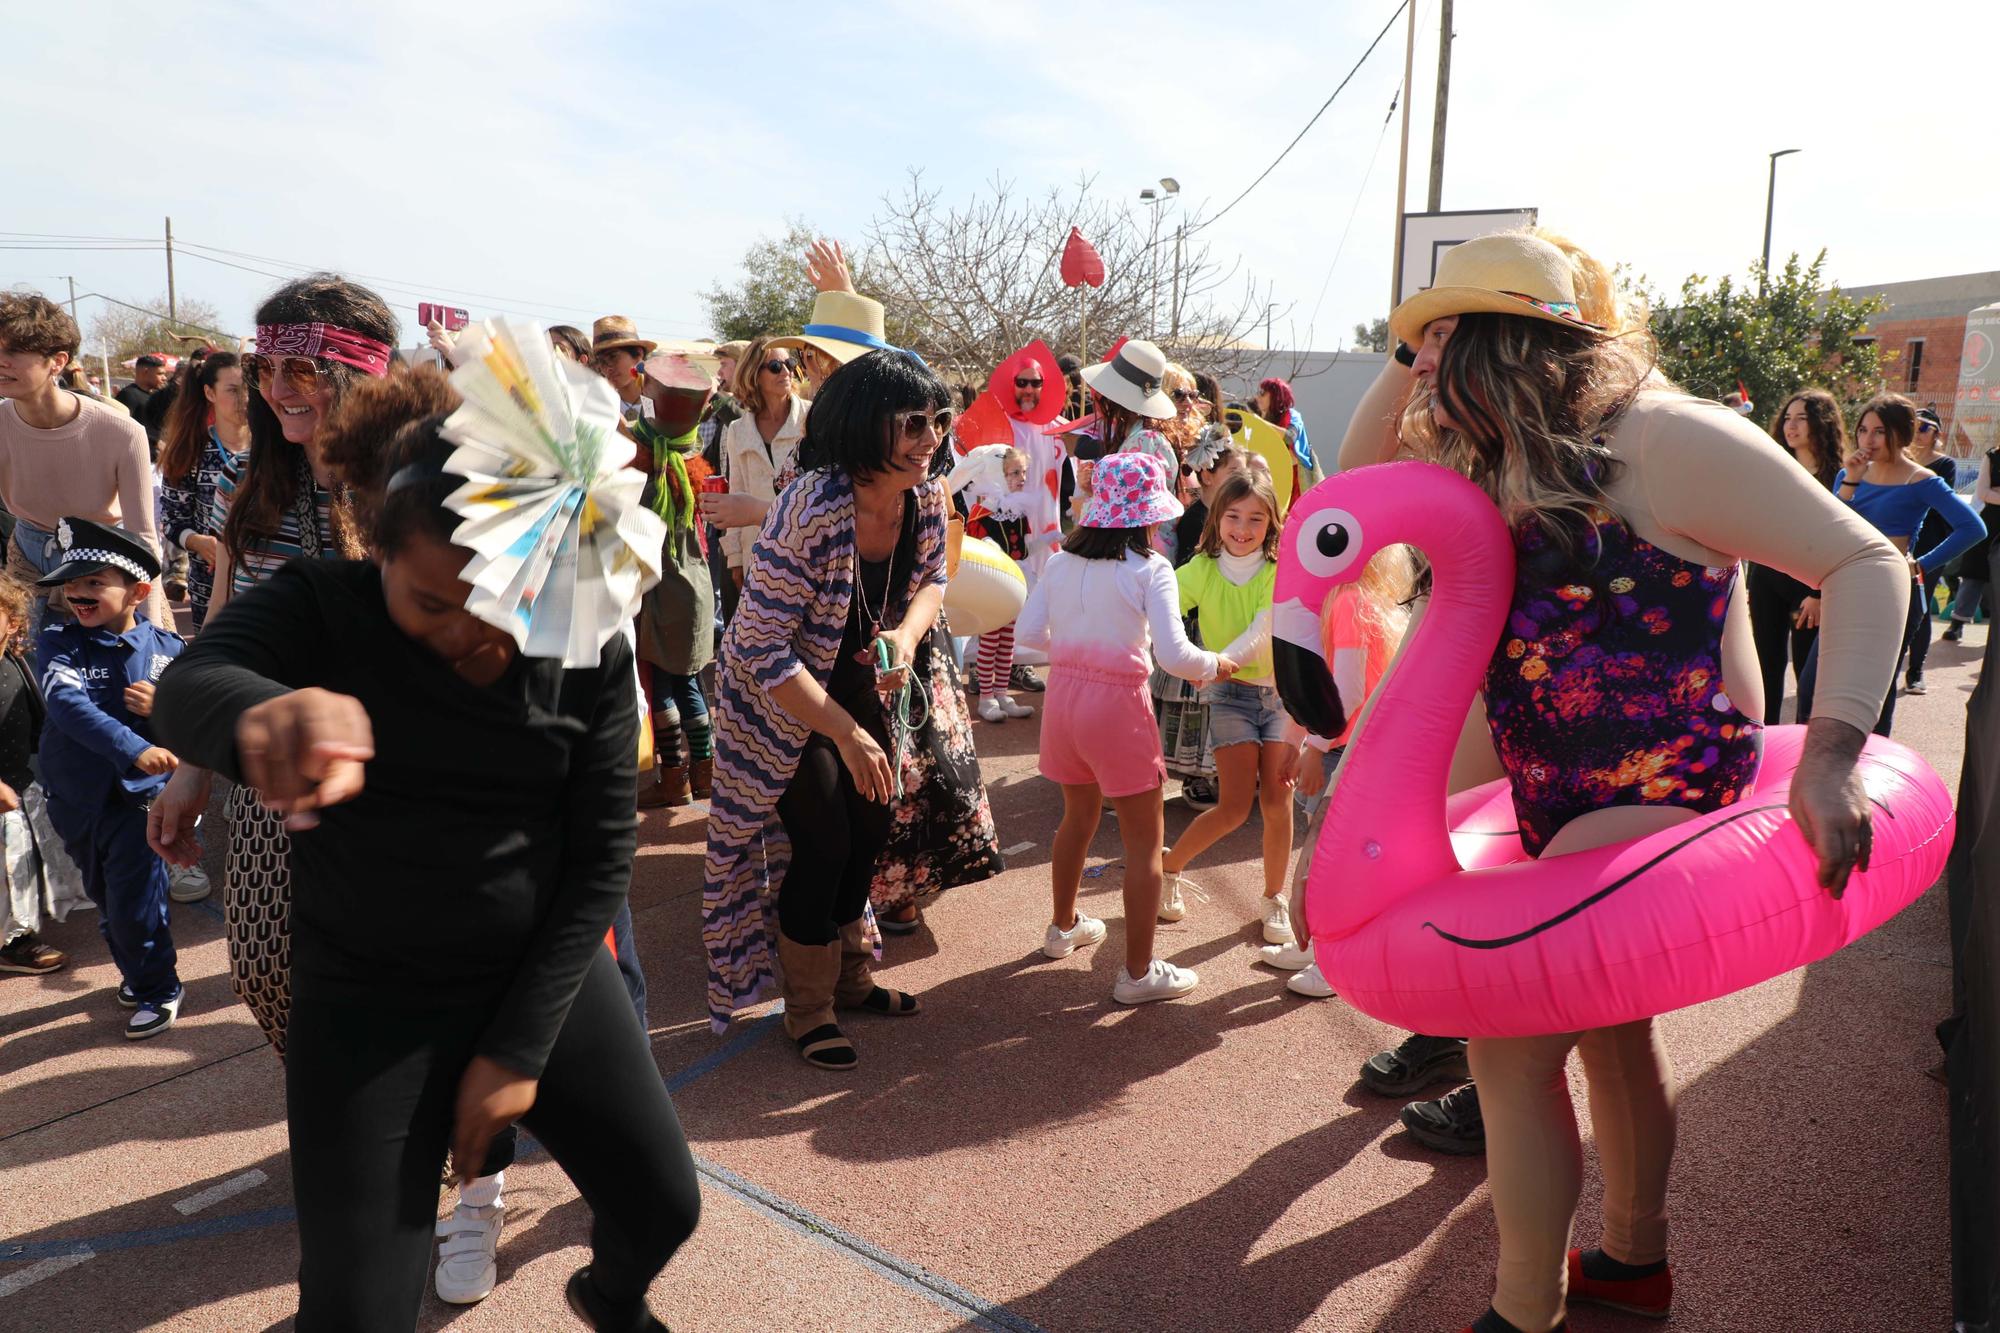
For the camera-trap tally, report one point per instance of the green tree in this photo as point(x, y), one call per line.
point(1372, 336)
point(128, 330)
point(773, 295)
point(1798, 332)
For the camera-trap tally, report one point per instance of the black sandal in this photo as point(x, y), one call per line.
point(894, 1003)
point(828, 1047)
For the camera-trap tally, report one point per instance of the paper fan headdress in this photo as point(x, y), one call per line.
point(562, 548)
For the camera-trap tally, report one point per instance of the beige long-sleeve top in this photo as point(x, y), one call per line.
point(754, 470)
point(1702, 483)
point(95, 466)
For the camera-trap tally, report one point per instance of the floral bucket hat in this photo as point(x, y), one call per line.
point(1130, 491)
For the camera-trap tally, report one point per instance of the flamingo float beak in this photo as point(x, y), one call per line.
point(1305, 682)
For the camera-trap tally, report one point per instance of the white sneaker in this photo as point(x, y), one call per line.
point(1172, 906)
point(1308, 983)
point(468, 1241)
point(1058, 943)
point(1013, 708)
point(1278, 921)
point(990, 710)
point(1163, 981)
point(150, 1017)
point(1285, 957)
point(187, 884)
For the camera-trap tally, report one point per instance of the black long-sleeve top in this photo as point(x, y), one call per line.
point(493, 843)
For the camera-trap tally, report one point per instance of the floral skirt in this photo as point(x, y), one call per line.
point(943, 834)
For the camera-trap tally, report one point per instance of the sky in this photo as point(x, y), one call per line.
point(565, 161)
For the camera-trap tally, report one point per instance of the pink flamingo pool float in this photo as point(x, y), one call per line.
point(1428, 914)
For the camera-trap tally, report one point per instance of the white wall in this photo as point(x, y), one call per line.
point(1327, 387)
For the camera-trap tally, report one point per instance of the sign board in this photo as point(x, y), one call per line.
point(452, 317)
point(1426, 236)
point(1977, 411)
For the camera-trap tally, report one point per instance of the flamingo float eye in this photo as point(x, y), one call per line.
point(1330, 543)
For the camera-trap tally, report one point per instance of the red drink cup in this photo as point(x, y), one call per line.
point(715, 485)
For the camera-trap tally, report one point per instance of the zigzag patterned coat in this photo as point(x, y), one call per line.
point(797, 590)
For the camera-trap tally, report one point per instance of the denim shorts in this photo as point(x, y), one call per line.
point(1239, 713)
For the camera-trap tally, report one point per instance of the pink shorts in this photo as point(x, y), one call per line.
point(1099, 728)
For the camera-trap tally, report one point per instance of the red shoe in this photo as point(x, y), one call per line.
point(1647, 1297)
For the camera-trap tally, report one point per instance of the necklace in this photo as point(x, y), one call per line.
point(872, 616)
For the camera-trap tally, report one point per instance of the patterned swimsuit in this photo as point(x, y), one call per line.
point(1606, 687)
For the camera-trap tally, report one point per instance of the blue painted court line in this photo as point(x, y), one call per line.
point(939, 1291)
point(723, 1054)
point(148, 1236)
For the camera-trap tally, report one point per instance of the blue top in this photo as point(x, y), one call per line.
point(90, 742)
point(1898, 511)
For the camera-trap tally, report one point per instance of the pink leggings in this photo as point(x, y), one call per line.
point(995, 661)
point(1534, 1158)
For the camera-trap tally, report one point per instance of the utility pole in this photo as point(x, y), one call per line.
point(72, 296)
point(1437, 117)
point(1403, 160)
point(1174, 314)
point(173, 310)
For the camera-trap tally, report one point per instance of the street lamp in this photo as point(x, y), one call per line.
point(1770, 199)
point(1156, 199)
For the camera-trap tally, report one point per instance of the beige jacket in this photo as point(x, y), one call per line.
point(753, 470)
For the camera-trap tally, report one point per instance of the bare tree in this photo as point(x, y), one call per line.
point(130, 330)
point(965, 285)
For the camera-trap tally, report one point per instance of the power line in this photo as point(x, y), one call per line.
point(147, 310)
point(63, 236)
point(1353, 212)
point(433, 289)
point(1404, 4)
point(73, 249)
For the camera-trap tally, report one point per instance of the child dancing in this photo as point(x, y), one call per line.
point(1106, 599)
point(1228, 583)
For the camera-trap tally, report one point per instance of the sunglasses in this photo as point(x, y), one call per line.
point(302, 372)
point(1022, 382)
point(912, 425)
point(1185, 396)
point(778, 367)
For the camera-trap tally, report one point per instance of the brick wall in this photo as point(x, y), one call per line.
point(1937, 375)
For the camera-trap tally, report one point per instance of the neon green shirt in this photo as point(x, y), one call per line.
point(1228, 608)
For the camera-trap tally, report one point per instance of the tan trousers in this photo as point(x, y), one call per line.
point(1534, 1157)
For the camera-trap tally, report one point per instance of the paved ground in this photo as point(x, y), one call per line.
point(1026, 1155)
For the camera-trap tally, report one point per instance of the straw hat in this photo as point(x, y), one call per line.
point(1511, 273)
point(843, 326)
point(618, 331)
point(1131, 379)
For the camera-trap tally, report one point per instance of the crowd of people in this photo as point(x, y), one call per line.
point(794, 667)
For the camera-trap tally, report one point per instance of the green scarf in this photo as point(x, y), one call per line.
point(669, 494)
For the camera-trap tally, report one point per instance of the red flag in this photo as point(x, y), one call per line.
point(1080, 262)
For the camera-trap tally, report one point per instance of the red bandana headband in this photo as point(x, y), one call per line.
point(329, 341)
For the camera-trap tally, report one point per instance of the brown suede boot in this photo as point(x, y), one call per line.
point(661, 787)
point(812, 971)
point(674, 785)
point(701, 779)
point(857, 988)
